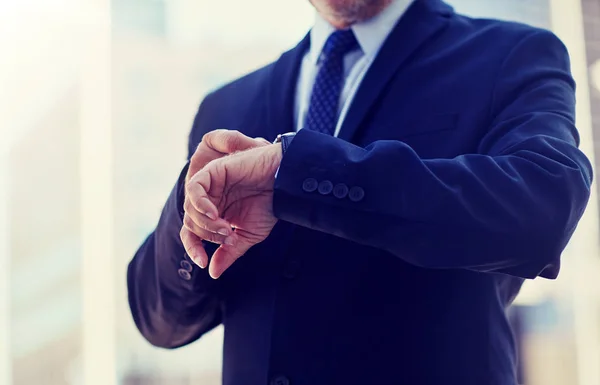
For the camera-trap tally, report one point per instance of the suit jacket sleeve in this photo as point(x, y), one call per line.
point(168, 310)
point(511, 207)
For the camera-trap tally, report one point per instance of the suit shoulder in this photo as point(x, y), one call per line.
point(498, 38)
point(499, 33)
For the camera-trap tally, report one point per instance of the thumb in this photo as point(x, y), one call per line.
point(230, 141)
point(226, 255)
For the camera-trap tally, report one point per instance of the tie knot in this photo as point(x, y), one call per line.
point(340, 43)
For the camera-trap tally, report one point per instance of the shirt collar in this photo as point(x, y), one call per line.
point(370, 34)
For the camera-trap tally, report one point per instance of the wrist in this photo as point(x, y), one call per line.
point(180, 193)
point(285, 140)
point(277, 151)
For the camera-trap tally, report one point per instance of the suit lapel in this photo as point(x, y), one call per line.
point(281, 90)
point(421, 20)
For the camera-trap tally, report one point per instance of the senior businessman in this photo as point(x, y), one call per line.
point(428, 164)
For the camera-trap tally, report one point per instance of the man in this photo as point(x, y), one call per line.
point(432, 166)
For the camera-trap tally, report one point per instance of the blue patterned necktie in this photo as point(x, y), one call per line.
point(323, 108)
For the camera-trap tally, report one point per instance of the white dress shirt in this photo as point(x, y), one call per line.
point(370, 36)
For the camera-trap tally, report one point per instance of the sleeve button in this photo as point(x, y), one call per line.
point(356, 194)
point(310, 185)
point(185, 265)
point(325, 187)
point(340, 191)
point(184, 274)
point(281, 380)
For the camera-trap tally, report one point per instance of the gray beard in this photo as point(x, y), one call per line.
point(360, 10)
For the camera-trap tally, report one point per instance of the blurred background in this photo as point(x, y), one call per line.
point(96, 100)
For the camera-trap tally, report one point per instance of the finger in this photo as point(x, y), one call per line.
point(193, 247)
point(196, 192)
point(226, 255)
point(203, 233)
point(197, 221)
point(204, 153)
point(229, 141)
point(262, 141)
point(201, 156)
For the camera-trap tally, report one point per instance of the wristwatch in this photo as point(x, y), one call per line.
point(285, 140)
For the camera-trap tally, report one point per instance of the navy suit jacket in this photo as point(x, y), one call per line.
point(459, 156)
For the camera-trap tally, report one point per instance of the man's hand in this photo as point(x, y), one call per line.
point(236, 191)
point(214, 145)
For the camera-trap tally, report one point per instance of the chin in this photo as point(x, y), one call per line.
point(351, 10)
